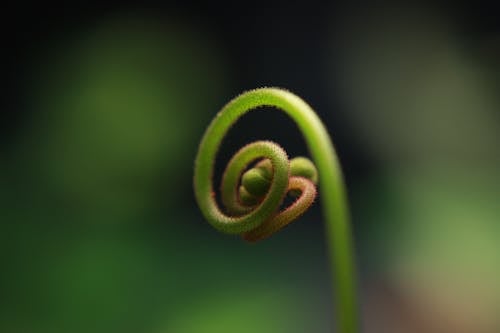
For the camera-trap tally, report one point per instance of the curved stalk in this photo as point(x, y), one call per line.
point(263, 217)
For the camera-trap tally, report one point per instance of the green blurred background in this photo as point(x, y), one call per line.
point(105, 104)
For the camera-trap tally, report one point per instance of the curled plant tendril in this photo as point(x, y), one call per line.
point(252, 198)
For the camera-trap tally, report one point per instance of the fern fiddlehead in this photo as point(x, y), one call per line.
point(252, 198)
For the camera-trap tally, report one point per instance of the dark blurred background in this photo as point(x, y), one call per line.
point(104, 104)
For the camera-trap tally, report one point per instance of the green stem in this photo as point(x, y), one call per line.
point(334, 199)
